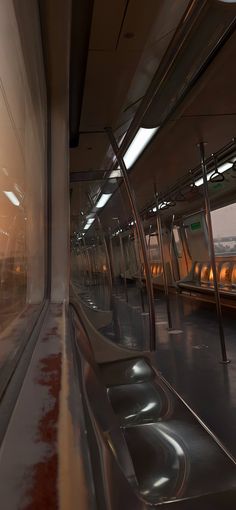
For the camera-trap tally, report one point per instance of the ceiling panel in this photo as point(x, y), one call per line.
point(127, 44)
point(90, 153)
point(106, 24)
point(207, 114)
point(108, 77)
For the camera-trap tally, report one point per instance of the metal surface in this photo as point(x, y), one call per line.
point(138, 404)
point(176, 459)
point(134, 370)
point(159, 229)
point(166, 454)
point(173, 253)
point(106, 250)
point(140, 231)
point(88, 261)
point(123, 261)
point(212, 254)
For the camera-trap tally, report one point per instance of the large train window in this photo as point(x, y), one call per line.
point(22, 174)
point(224, 230)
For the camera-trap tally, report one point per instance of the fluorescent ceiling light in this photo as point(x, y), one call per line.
point(140, 141)
point(221, 169)
point(103, 200)
point(12, 197)
point(224, 167)
point(114, 174)
point(154, 209)
point(89, 223)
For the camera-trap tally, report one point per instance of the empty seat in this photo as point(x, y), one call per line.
point(225, 279)
point(233, 277)
point(205, 273)
point(128, 371)
point(137, 404)
point(200, 278)
point(197, 272)
point(107, 422)
point(211, 278)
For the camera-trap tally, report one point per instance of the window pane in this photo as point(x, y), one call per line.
point(22, 171)
point(224, 230)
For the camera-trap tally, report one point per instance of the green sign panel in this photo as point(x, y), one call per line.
point(196, 226)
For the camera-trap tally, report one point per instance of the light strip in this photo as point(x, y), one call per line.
point(12, 197)
point(221, 169)
point(89, 223)
point(115, 174)
point(140, 141)
point(103, 200)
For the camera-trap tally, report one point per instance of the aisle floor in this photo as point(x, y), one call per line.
point(190, 360)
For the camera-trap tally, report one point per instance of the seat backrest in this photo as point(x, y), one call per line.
point(107, 422)
point(205, 272)
point(233, 276)
point(197, 271)
point(226, 274)
point(83, 341)
point(211, 277)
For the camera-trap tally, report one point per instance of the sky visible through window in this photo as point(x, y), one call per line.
point(224, 229)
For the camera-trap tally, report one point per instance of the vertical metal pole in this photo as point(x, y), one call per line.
point(88, 261)
point(212, 254)
point(183, 241)
point(158, 217)
point(141, 237)
point(106, 250)
point(111, 257)
point(123, 262)
point(139, 268)
point(173, 252)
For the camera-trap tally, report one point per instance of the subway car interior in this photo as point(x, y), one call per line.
point(118, 254)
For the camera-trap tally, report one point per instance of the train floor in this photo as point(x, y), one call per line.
point(189, 358)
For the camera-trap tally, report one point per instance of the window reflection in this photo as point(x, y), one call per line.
point(22, 174)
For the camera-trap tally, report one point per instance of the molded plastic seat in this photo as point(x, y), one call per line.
point(200, 278)
point(233, 277)
point(137, 404)
point(226, 274)
point(127, 371)
point(107, 422)
point(197, 272)
point(205, 273)
point(158, 463)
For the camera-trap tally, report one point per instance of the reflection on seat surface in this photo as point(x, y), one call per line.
point(159, 462)
point(125, 372)
point(139, 403)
